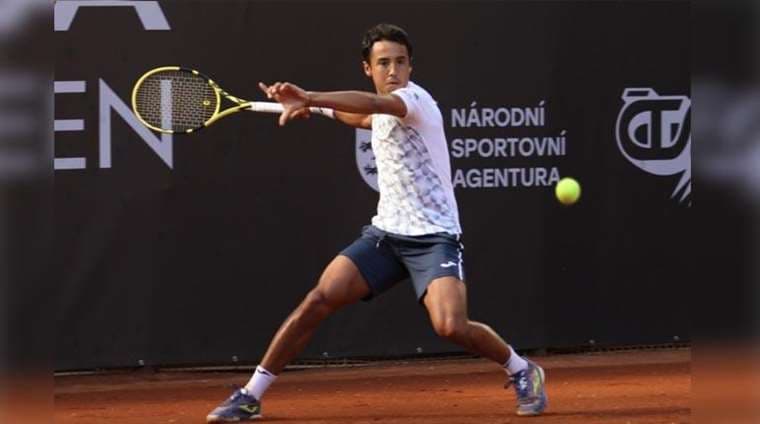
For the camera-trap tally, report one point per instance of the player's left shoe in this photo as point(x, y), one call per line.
point(529, 386)
point(239, 407)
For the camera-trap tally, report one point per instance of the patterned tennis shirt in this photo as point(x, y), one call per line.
point(413, 167)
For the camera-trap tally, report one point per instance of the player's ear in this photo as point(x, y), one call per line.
point(367, 69)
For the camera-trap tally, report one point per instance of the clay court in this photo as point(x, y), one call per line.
point(614, 387)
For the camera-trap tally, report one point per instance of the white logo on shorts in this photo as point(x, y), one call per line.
point(448, 264)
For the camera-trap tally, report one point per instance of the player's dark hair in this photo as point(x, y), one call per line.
point(384, 32)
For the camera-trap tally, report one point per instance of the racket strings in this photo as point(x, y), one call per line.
point(176, 100)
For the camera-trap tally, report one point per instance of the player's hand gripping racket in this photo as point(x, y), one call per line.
point(172, 99)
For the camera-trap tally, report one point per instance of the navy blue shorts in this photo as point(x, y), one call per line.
point(385, 259)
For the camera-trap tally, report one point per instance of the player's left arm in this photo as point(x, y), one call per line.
point(296, 100)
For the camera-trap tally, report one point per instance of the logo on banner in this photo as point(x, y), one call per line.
point(149, 12)
point(654, 133)
point(365, 158)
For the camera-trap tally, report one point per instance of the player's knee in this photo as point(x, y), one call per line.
point(452, 328)
point(317, 303)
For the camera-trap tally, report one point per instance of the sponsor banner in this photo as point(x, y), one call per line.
point(180, 244)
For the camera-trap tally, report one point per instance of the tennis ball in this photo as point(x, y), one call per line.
point(568, 191)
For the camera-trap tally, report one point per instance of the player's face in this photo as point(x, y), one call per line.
point(389, 66)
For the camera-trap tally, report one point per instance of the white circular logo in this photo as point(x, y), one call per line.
point(365, 158)
point(654, 133)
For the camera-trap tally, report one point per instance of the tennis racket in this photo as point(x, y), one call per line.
point(173, 99)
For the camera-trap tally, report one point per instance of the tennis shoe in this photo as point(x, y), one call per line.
point(529, 386)
point(239, 407)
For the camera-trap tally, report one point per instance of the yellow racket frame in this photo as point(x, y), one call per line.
point(241, 104)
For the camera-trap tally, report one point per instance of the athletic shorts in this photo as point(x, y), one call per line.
point(386, 259)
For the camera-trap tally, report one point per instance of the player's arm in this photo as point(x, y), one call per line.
point(351, 107)
point(359, 102)
point(296, 100)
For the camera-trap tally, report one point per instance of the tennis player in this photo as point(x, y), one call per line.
point(415, 234)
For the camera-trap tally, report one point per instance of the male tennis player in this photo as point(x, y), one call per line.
point(415, 234)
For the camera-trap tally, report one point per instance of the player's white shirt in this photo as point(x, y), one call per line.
point(413, 168)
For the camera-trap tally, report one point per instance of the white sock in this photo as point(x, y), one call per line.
point(515, 363)
point(259, 382)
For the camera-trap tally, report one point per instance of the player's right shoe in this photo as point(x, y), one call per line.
point(239, 407)
point(529, 386)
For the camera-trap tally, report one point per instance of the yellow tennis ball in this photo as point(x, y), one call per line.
point(568, 191)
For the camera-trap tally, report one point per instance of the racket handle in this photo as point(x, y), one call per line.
point(274, 107)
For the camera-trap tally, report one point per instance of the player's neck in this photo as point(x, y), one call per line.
point(382, 93)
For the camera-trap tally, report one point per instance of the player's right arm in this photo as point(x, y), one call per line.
point(352, 107)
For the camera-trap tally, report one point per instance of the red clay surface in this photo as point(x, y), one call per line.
point(620, 387)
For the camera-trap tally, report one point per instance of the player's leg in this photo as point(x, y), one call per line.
point(446, 302)
point(436, 265)
point(365, 269)
point(341, 284)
